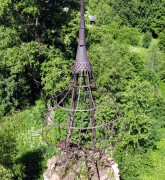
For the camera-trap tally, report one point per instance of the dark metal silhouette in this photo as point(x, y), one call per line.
point(91, 124)
point(82, 63)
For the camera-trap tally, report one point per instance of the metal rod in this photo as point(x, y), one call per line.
point(71, 119)
point(92, 113)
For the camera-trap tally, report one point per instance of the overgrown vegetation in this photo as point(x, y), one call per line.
point(38, 42)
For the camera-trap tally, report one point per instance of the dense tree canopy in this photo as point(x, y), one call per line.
point(38, 41)
point(146, 15)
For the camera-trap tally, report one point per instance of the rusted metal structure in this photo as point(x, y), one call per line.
point(84, 119)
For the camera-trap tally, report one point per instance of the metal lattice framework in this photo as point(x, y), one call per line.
point(82, 117)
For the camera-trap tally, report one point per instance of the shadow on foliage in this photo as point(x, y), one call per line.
point(32, 162)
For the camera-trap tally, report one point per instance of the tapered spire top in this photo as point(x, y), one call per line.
point(82, 63)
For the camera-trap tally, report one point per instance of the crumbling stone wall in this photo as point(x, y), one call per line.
point(91, 166)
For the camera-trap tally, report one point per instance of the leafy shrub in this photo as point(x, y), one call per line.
point(103, 18)
point(139, 107)
point(147, 38)
point(8, 151)
point(25, 70)
point(162, 40)
point(23, 153)
point(128, 36)
point(8, 37)
point(5, 173)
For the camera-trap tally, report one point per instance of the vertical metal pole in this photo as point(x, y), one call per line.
point(91, 112)
point(72, 106)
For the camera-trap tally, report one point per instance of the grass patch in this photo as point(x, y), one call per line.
point(157, 172)
point(162, 88)
point(30, 153)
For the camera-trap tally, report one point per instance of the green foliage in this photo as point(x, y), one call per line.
point(23, 153)
point(55, 72)
point(8, 37)
point(19, 76)
point(113, 80)
point(40, 21)
point(123, 35)
point(139, 104)
point(146, 15)
point(126, 10)
point(155, 60)
point(162, 40)
point(5, 173)
point(133, 78)
point(162, 88)
point(122, 63)
point(103, 13)
point(68, 36)
point(26, 69)
point(38, 41)
point(128, 36)
point(9, 168)
point(31, 34)
point(147, 38)
point(157, 158)
point(8, 146)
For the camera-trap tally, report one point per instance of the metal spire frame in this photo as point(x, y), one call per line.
point(84, 127)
